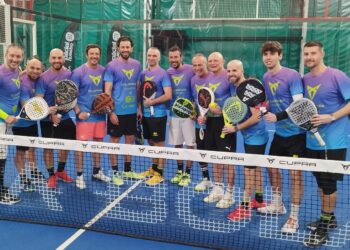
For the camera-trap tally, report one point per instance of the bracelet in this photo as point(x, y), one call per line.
point(236, 127)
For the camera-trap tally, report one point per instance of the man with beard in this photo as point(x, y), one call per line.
point(181, 130)
point(89, 80)
point(122, 78)
point(9, 98)
point(65, 128)
point(28, 128)
point(154, 126)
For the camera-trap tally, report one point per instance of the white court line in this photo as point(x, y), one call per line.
point(98, 216)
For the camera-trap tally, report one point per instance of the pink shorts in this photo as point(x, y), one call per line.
point(90, 130)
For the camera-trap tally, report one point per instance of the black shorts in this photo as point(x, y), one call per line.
point(213, 141)
point(65, 130)
point(154, 128)
point(200, 143)
point(254, 149)
point(291, 146)
point(25, 131)
point(127, 126)
point(332, 154)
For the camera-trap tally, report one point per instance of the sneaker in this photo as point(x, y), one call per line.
point(52, 181)
point(215, 195)
point(117, 180)
point(291, 226)
point(185, 181)
point(38, 178)
point(240, 213)
point(27, 185)
point(226, 201)
point(317, 238)
point(177, 178)
point(133, 175)
point(255, 204)
point(203, 185)
point(64, 176)
point(155, 180)
point(80, 183)
point(148, 172)
point(6, 198)
point(272, 209)
point(332, 224)
point(100, 176)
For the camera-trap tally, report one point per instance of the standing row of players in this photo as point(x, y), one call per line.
point(329, 88)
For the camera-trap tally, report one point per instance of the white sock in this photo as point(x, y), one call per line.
point(294, 211)
point(277, 199)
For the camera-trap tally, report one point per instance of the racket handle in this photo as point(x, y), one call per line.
point(319, 139)
point(59, 116)
point(201, 134)
point(152, 110)
point(222, 136)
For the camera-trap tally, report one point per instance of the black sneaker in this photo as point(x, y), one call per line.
point(6, 198)
point(27, 185)
point(332, 224)
point(316, 238)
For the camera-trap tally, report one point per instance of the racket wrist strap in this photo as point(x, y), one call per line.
point(3, 115)
point(281, 115)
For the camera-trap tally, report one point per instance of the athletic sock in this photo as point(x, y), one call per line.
point(51, 170)
point(61, 166)
point(95, 170)
point(180, 167)
point(188, 170)
point(259, 196)
point(204, 169)
point(79, 173)
point(127, 166)
point(115, 169)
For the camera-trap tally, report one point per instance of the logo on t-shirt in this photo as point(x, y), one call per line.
point(95, 79)
point(214, 86)
point(273, 87)
point(16, 81)
point(149, 78)
point(177, 79)
point(311, 91)
point(128, 73)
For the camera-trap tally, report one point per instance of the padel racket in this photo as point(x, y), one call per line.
point(300, 112)
point(149, 90)
point(252, 92)
point(205, 97)
point(66, 96)
point(233, 112)
point(34, 109)
point(183, 108)
point(139, 140)
point(103, 104)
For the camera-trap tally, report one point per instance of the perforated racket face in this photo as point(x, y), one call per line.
point(205, 97)
point(183, 108)
point(301, 111)
point(66, 92)
point(36, 108)
point(235, 109)
point(251, 92)
point(148, 88)
point(67, 106)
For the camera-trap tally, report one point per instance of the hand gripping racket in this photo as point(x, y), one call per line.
point(183, 108)
point(66, 96)
point(205, 97)
point(233, 112)
point(34, 109)
point(252, 92)
point(300, 112)
point(149, 90)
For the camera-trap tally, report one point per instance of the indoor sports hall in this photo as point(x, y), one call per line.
point(136, 215)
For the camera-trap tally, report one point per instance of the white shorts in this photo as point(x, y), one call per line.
point(182, 131)
point(3, 148)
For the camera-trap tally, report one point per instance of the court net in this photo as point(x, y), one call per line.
point(167, 211)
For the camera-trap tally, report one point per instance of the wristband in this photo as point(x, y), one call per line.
point(3, 115)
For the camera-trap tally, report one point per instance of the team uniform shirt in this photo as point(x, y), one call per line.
point(221, 87)
point(279, 89)
point(10, 90)
point(196, 84)
point(27, 92)
point(255, 134)
point(124, 77)
point(90, 83)
point(180, 83)
point(46, 86)
point(162, 80)
point(330, 91)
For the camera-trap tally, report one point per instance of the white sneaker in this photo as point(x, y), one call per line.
point(215, 195)
point(203, 185)
point(291, 226)
point(80, 183)
point(226, 201)
point(273, 209)
point(101, 176)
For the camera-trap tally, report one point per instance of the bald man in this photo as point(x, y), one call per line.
point(255, 139)
point(29, 80)
point(66, 128)
point(214, 121)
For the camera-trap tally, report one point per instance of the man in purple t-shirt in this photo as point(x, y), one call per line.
point(9, 97)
